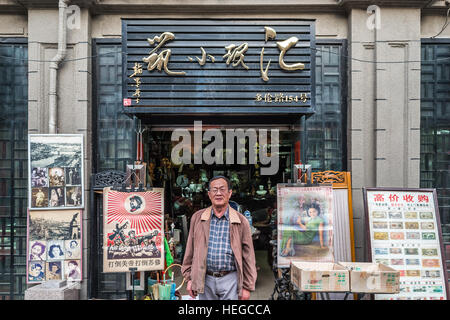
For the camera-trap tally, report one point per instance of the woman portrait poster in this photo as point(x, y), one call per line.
point(305, 224)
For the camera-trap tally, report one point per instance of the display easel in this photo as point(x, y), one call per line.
point(339, 181)
point(283, 287)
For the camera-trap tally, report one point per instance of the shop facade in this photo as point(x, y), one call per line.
point(380, 91)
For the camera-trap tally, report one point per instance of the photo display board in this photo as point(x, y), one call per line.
point(305, 224)
point(54, 246)
point(133, 228)
point(405, 233)
point(55, 171)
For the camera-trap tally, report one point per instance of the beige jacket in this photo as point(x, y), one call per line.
point(194, 262)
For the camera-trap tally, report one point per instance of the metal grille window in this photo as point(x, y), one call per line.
point(13, 166)
point(325, 130)
point(112, 149)
point(435, 128)
point(114, 129)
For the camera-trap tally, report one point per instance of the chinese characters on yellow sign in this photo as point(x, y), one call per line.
point(234, 56)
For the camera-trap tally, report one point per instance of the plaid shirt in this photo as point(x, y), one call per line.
point(220, 257)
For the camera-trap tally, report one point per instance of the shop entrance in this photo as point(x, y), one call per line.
point(253, 193)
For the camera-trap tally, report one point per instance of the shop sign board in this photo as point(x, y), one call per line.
point(404, 232)
point(133, 230)
point(193, 66)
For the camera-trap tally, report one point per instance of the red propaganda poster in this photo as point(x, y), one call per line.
point(133, 225)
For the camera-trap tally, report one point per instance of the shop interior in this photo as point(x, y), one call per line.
point(185, 185)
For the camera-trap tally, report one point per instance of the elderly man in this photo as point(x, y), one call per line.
point(219, 262)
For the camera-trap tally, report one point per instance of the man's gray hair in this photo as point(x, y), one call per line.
point(217, 178)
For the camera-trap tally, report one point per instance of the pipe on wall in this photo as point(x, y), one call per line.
point(54, 67)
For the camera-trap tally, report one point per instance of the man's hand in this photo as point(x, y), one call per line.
point(192, 293)
point(245, 294)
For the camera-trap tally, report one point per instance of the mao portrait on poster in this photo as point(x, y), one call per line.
point(133, 224)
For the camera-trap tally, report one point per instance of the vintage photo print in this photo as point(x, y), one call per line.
point(73, 249)
point(39, 197)
point(54, 236)
point(73, 176)
point(72, 270)
point(56, 177)
point(36, 271)
point(53, 159)
point(305, 224)
point(54, 225)
point(54, 270)
point(39, 177)
point(57, 197)
point(73, 196)
point(55, 250)
point(37, 251)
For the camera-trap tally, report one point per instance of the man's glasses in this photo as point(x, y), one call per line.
point(216, 190)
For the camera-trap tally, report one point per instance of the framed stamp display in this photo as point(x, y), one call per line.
point(305, 224)
point(54, 245)
point(133, 228)
point(404, 232)
point(55, 171)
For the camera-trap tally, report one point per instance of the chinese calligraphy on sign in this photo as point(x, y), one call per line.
point(235, 55)
point(227, 64)
point(202, 61)
point(161, 60)
point(137, 70)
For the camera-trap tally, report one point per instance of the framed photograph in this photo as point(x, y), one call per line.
point(36, 271)
point(38, 250)
point(39, 177)
point(133, 228)
point(72, 270)
point(54, 270)
point(407, 222)
point(55, 166)
point(72, 249)
point(305, 224)
point(53, 239)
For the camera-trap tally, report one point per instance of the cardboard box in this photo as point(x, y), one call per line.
point(372, 277)
point(320, 277)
